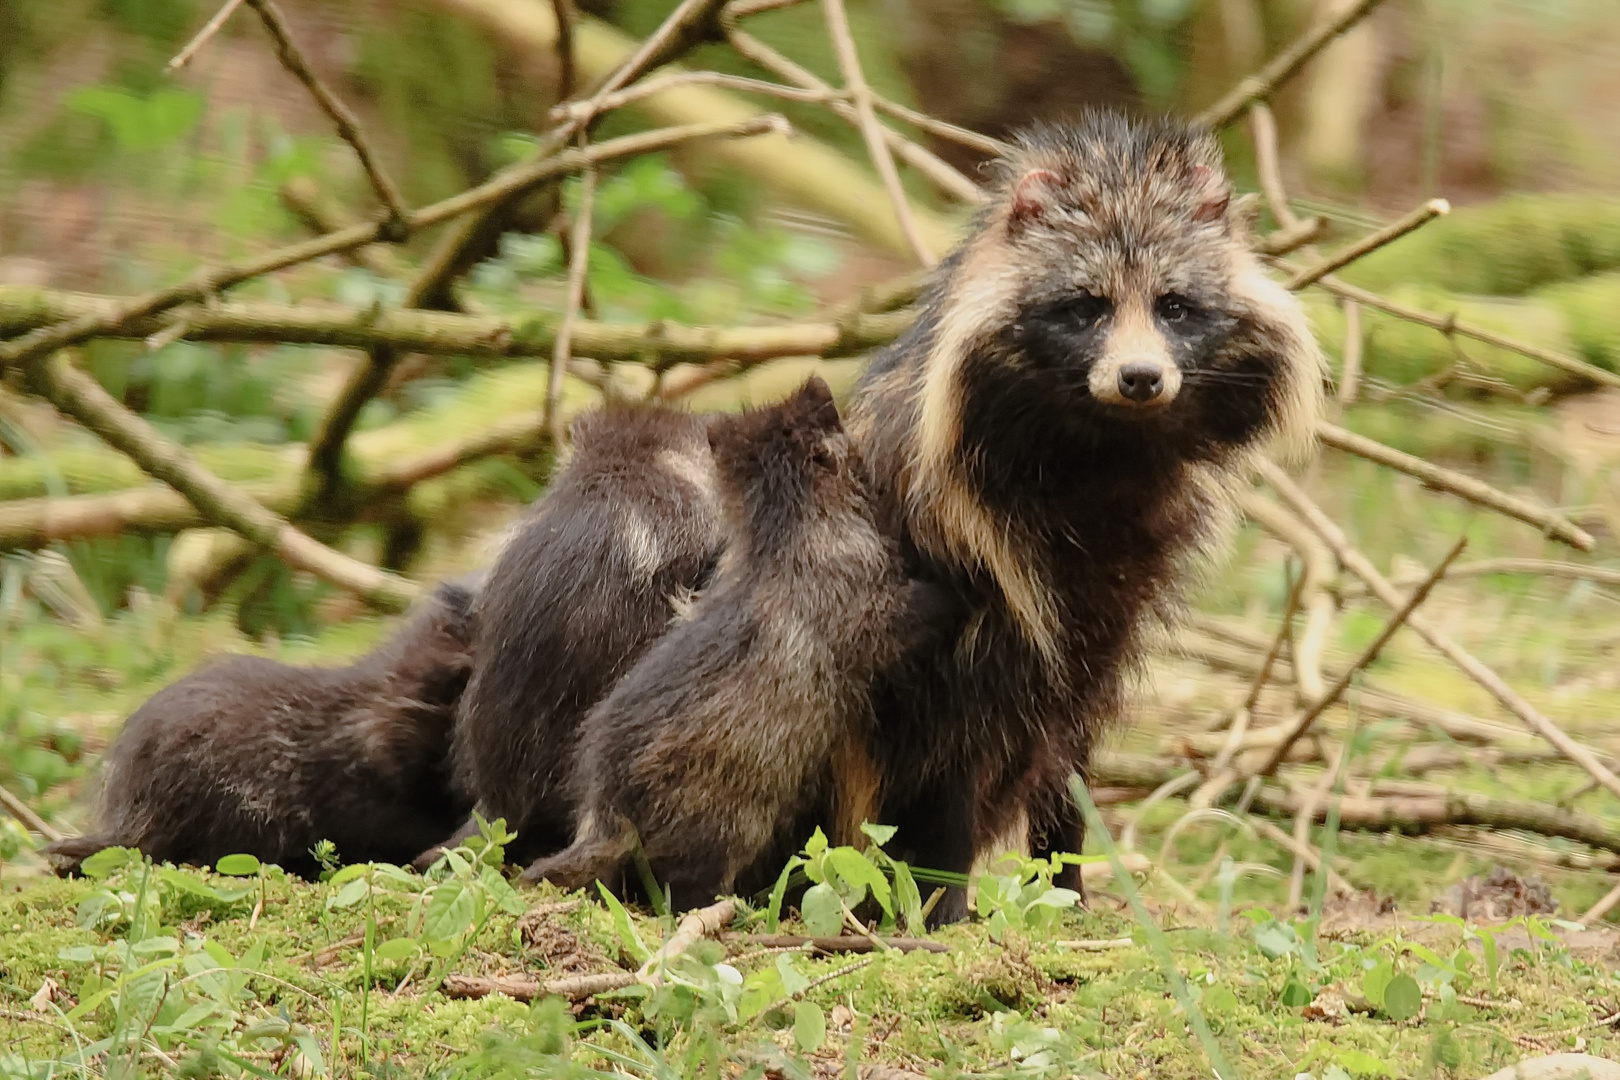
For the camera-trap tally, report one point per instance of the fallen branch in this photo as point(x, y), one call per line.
point(303, 200)
point(205, 35)
point(397, 226)
point(659, 343)
point(1263, 83)
point(1403, 614)
point(1358, 564)
point(1550, 522)
point(1316, 577)
point(80, 397)
point(1371, 242)
point(833, 944)
point(574, 987)
point(25, 814)
point(203, 284)
point(707, 922)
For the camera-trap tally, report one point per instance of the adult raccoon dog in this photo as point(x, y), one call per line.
point(723, 735)
point(1056, 440)
point(623, 536)
point(251, 756)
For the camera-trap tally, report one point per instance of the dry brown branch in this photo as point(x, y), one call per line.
point(849, 63)
point(575, 110)
point(1448, 325)
point(1350, 365)
point(302, 198)
point(1283, 66)
point(1302, 821)
point(204, 284)
point(574, 987)
point(930, 165)
point(1293, 237)
point(742, 9)
point(1602, 907)
point(1307, 852)
point(80, 397)
point(833, 944)
point(660, 343)
point(563, 10)
point(706, 922)
point(1358, 564)
point(1542, 567)
point(1371, 242)
point(1368, 655)
point(205, 35)
point(579, 262)
point(397, 226)
point(1316, 577)
point(25, 814)
point(1263, 135)
point(1550, 522)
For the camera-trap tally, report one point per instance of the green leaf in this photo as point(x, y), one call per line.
point(857, 870)
point(1445, 1050)
point(792, 981)
point(1374, 983)
point(773, 913)
point(184, 882)
point(311, 1050)
point(624, 927)
point(908, 898)
point(450, 914)
point(348, 873)
point(397, 949)
point(77, 954)
point(817, 843)
point(108, 861)
point(822, 910)
point(351, 894)
point(238, 865)
point(1220, 1001)
point(1295, 995)
point(1487, 945)
point(1276, 939)
point(809, 1026)
point(878, 834)
point(89, 1004)
point(1361, 1063)
point(1403, 998)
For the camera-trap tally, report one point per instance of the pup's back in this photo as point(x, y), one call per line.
point(252, 756)
point(725, 730)
point(623, 536)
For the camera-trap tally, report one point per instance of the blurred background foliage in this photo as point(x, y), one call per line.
point(117, 176)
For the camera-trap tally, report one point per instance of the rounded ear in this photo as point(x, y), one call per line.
point(1033, 195)
point(814, 402)
point(1211, 192)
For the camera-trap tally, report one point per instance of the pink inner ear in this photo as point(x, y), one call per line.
point(1213, 191)
point(1033, 193)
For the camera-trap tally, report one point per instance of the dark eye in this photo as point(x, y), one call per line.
point(1082, 310)
point(1173, 309)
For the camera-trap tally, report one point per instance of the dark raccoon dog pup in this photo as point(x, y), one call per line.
point(251, 756)
point(724, 733)
point(1058, 438)
point(615, 548)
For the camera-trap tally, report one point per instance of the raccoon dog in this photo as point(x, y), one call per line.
point(723, 734)
point(1056, 439)
point(608, 556)
point(251, 756)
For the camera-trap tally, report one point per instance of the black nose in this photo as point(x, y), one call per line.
point(1141, 382)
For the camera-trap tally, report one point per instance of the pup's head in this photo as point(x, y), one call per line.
point(782, 464)
point(1122, 278)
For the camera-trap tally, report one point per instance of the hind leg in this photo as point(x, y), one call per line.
point(1062, 829)
point(935, 831)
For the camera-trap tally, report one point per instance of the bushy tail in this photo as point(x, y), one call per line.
point(600, 852)
point(66, 856)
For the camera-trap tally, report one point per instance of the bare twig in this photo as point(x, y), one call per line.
point(849, 63)
point(1602, 907)
point(1263, 83)
point(1294, 237)
point(1449, 325)
point(1307, 852)
point(1350, 367)
point(1263, 133)
point(1302, 821)
point(574, 987)
point(76, 395)
point(398, 225)
point(563, 11)
point(834, 944)
point(574, 110)
point(205, 35)
point(203, 284)
point(1316, 576)
point(1371, 242)
point(742, 9)
point(693, 927)
point(938, 172)
point(303, 200)
point(25, 814)
point(1550, 522)
point(1358, 564)
point(579, 261)
point(1096, 944)
point(1543, 567)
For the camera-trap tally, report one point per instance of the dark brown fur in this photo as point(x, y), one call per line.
point(1056, 439)
point(623, 536)
point(251, 756)
point(724, 733)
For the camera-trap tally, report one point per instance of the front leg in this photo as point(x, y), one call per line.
point(1061, 829)
point(935, 831)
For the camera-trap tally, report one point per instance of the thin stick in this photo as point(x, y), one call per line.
point(205, 35)
point(574, 110)
point(1449, 325)
point(563, 11)
point(834, 944)
point(938, 172)
point(303, 200)
point(574, 987)
point(1302, 822)
point(1097, 944)
point(1308, 852)
point(397, 226)
point(1350, 369)
point(579, 261)
point(1544, 567)
point(203, 284)
point(1263, 133)
point(1316, 575)
point(80, 397)
point(1263, 83)
point(1371, 242)
point(984, 144)
point(742, 9)
point(1550, 522)
point(849, 62)
point(693, 927)
point(25, 814)
point(1602, 907)
point(1294, 237)
point(1358, 564)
